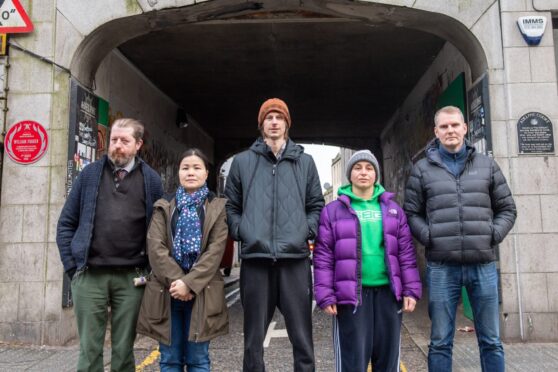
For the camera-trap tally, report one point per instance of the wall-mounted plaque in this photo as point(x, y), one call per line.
point(535, 134)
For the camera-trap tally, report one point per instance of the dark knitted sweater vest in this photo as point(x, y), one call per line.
point(119, 233)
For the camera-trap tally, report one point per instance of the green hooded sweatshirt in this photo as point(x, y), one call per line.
point(374, 270)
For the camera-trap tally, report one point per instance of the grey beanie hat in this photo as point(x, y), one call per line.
point(363, 155)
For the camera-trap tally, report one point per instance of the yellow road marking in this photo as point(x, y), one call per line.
point(401, 366)
point(149, 360)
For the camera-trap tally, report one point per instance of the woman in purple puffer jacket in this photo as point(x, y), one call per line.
point(365, 270)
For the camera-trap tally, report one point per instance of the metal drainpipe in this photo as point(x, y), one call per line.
point(518, 280)
point(4, 99)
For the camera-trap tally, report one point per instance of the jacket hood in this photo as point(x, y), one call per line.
point(292, 150)
point(347, 190)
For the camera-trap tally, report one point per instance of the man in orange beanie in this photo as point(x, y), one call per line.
point(274, 205)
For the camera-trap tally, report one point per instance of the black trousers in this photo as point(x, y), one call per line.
point(287, 285)
point(369, 333)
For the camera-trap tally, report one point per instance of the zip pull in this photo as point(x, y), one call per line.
point(274, 166)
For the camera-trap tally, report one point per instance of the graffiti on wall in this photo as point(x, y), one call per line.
point(157, 155)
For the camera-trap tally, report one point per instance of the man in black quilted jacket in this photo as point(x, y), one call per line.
point(459, 206)
point(273, 209)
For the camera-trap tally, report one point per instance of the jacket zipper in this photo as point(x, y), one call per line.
point(274, 212)
point(385, 215)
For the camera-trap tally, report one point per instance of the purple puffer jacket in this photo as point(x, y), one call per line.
point(337, 256)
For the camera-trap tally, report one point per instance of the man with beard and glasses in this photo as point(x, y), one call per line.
point(101, 236)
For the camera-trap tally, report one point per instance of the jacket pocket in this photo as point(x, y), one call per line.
point(216, 314)
point(153, 303)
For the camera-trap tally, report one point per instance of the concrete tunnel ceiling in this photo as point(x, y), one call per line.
point(342, 79)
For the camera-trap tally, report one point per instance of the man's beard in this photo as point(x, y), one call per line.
point(120, 160)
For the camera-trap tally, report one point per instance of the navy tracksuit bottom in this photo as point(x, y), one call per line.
point(369, 333)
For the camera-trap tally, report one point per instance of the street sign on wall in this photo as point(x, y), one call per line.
point(13, 18)
point(26, 142)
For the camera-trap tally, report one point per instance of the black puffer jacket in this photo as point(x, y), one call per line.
point(459, 219)
point(273, 206)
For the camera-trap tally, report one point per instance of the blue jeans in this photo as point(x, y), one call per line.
point(444, 289)
point(181, 352)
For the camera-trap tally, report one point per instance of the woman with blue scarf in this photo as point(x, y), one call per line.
point(184, 302)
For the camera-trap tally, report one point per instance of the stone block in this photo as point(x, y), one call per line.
point(497, 101)
point(11, 222)
point(509, 293)
point(40, 41)
point(543, 65)
point(22, 262)
point(513, 6)
point(545, 4)
point(541, 327)
point(507, 255)
point(552, 282)
point(509, 327)
point(31, 301)
point(61, 102)
point(504, 164)
point(58, 184)
point(467, 12)
point(35, 223)
point(497, 76)
point(25, 185)
point(53, 215)
point(528, 214)
point(51, 333)
point(104, 11)
point(549, 209)
point(499, 132)
point(518, 66)
point(58, 147)
point(53, 301)
point(67, 40)
point(487, 30)
point(513, 148)
point(9, 293)
point(34, 107)
point(527, 97)
point(535, 175)
point(54, 268)
point(538, 253)
point(42, 11)
point(29, 75)
point(21, 332)
point(512, 36)
point(534, 293)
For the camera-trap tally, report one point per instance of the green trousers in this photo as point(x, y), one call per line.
point(93, 291)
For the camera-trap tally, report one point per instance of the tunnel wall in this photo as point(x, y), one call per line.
point(131, 94)
point(411, 127)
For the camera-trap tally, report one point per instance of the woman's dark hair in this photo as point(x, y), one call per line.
point(196, 152)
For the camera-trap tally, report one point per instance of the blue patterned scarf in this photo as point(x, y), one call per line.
point(188, 236)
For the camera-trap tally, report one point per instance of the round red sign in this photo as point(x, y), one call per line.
point(26, 142)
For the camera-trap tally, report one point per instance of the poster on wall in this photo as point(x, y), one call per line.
point(478, 108)
point(102, 128)
point(82, 143)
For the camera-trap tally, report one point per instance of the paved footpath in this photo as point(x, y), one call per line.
point(226, 352)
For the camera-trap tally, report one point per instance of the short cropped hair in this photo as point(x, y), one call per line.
point(136, 126)
point(448, 110)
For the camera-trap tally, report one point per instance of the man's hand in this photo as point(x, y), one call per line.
point(409, 304)
point(331, 309)
point(180, 291)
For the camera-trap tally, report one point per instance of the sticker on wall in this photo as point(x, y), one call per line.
point(26, 142)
